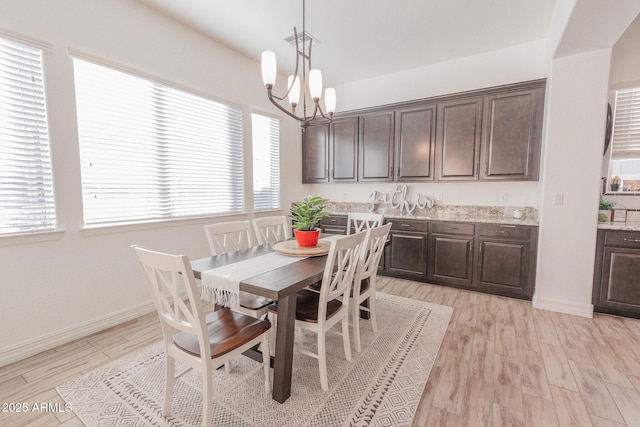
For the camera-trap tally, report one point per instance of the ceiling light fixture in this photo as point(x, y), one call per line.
point(309, 80)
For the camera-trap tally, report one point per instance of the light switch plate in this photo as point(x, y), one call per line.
point(558, 199)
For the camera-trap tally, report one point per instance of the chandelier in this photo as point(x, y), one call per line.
point(304, 78)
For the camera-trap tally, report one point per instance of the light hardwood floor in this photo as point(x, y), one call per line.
point(502, 363)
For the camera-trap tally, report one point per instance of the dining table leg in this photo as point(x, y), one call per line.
point(283, 363)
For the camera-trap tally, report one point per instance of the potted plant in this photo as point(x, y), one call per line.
point(305, 216)
point(604, 209)
point(615, 183)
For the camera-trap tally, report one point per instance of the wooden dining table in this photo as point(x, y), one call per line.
point(281, 285)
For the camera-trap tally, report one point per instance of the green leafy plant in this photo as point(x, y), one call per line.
point(605, 204)
point(307, 213)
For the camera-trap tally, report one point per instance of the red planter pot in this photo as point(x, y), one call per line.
point(307, 239)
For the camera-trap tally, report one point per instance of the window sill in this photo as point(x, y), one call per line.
point(27, 238)
point(97, 230)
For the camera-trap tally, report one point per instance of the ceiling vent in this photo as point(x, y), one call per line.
point(292, 39)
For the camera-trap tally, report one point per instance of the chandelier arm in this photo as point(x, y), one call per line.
point(284, 110)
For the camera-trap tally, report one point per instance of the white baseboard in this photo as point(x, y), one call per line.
point(583, 310)
point(39, 344)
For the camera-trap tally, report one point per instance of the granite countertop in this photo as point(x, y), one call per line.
point(629, 226)
point(457, 213)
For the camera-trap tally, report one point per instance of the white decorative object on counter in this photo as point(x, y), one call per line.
point(401, 202)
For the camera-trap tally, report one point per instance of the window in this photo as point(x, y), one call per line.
point(266, 162)
point(152, 152)
point(624, 171)
point(26, 183)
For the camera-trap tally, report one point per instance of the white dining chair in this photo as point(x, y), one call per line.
point(271, 229)
point(197, 342)
point(359, 221)
point(318, 312)
point(225, 237)
point(364, 282)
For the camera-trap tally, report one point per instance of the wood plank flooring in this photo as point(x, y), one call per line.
point(502, 363)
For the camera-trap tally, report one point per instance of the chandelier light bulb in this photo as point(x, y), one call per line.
point(330, 100)
point(269, 68)
point(315, 84)
point(294, 93)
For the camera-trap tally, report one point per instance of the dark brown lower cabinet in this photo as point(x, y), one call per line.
point(451, 253)
point(616, 284)
point(334, 224)
point(406, 254)
point(491, 258)
point(506, 259)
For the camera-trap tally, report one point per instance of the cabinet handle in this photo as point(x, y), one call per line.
point(631, 240)
point(333, 173)
point(507, 226)
point(471, 248)
point(453, 228)
point(405, 225)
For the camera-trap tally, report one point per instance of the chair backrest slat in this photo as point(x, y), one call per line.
point(362, 221)
point(340, 270)
point(271, 229)
point(170, 277)
point(371, 253)
point(227, 237)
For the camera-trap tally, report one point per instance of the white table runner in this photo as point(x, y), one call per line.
point(222, 285)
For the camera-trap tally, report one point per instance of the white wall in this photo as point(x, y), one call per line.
point(82, 281)
point(573, 153)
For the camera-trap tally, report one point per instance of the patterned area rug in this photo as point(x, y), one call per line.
point(381, 386)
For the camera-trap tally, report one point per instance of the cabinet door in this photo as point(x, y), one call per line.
point(406, 254)
point(376, 147)
point(620, 281)
point(503, 267)
point(512, 135)
point(415, 139)
point(344, 149)
point(315, 154)
point(458, 139)
point(451, 259)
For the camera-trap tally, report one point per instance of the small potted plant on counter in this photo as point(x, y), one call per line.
point(305, 216)
point(615, 183)
point(604, 210)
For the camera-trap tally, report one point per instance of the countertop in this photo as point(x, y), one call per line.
point(454, 213)
point(629, 226)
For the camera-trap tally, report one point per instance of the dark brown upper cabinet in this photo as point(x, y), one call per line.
point(415, 142)
point(511, 137)
point(491, 134)
point(376, 147)
point(315, 154)
point(458, 139)
point(344, 149)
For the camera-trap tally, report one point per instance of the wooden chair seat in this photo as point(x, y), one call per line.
point(307, 306)
point(227, 330)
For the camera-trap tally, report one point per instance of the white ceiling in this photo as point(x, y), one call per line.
point(359, 39)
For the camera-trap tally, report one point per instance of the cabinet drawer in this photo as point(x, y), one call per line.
point(334, 220)
point(504, 230)
point(409, 225)
point(452, 228)
point(622, 239)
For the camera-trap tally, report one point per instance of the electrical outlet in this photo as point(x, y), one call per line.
point(504, 197)
point(439, 196)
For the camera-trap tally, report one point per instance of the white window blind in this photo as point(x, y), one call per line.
point(152, 152)
point(626, 125)
point(266, 162)
point(26, 183)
